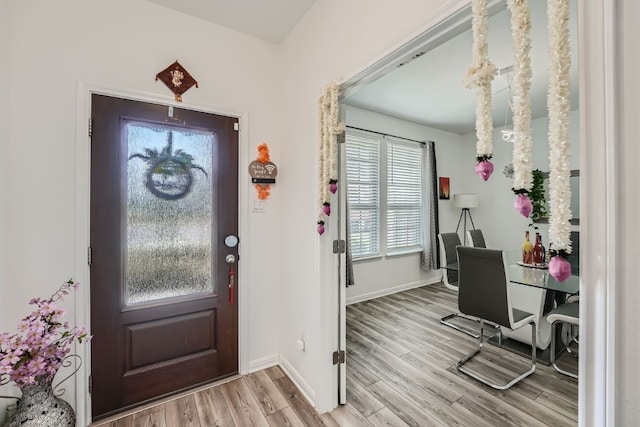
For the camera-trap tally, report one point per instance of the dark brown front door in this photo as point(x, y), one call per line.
point(164, 196)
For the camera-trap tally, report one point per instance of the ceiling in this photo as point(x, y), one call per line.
point(429, 89)
point(269, 20)
point(426, 89)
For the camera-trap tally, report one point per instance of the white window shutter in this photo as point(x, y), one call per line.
point(363, 193)
point(404, 195)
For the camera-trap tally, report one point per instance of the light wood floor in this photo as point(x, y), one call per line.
point(400, 371)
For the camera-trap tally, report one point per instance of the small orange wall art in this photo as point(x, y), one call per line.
point(444, 188)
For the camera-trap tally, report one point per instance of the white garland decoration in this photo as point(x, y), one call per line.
point(335, 129)
point(479, 75)
point(521, 29)
point(559, 140)
point(321, 156)
point(329, 127)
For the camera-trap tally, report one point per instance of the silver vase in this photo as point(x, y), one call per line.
point(39, 407)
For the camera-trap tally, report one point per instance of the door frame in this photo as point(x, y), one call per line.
point(599, 40)
point(82, 224)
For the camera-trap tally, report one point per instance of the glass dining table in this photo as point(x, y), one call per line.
point(536, 277)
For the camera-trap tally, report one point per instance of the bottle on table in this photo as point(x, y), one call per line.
point(527, 249)
point(538, 251)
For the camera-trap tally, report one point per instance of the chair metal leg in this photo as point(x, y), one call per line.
point(573, 338)
point(445, 321)
point(531, 370)
point(552, 358)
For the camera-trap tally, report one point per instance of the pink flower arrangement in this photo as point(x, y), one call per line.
point(35, 354)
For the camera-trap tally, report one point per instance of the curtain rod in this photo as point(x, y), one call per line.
point(386, 134)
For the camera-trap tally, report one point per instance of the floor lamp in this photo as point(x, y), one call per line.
point(465, 202)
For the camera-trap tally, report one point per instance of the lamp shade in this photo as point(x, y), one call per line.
point(465, 200)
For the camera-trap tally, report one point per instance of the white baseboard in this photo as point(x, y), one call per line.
point(299, 382)
point(263, 363)
point(389, 291)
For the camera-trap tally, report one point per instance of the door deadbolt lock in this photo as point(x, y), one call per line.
point(230, 259)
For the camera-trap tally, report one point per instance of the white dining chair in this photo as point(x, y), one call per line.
point(568, 313)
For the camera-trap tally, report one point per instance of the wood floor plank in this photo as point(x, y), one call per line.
point(361, 399)
point(220, 408)
point(152, 417)
point(275, 372)
point(303, 409)
point(266, 393)
point(123, 422)
point(348, 416)
point(182, 412)
point(386, 418)
point(358, 372)
point(286, 417)
point(497, 412)
point(244, 408)
point(384, 305)
point(559, 405)
point(373, 334)
point(409, 413)
point(382, 321)
point(205, 407)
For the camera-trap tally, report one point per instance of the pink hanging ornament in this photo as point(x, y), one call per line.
point(484, 169)
point(523, 205)
point(333, 186)
point(321, 227)
point(326, 208)
point(559, 268)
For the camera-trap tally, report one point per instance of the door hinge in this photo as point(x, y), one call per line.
point(90, 128)
point(90, 384)
point(339, 356)
point(341, 138)
point(339, 246)
point(89, 255)
point(236, 126)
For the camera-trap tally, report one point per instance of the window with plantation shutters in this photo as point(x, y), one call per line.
point(404, 195)
point(384, 192)
point(363, 193)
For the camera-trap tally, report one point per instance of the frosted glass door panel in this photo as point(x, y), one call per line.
point(169, 214)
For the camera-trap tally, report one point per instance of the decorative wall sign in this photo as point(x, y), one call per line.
point(177, 79)
point(263, 172)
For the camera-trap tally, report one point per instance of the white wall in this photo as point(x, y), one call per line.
point(502, 226)
point(120, 44)
point(628, 298)
point(4, 134)
point(384, 275)
point(4, 176)
point(327, 45)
